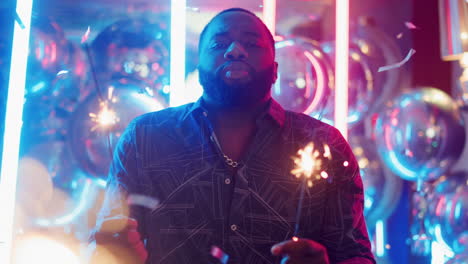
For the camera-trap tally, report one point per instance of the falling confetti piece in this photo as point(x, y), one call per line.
point(143, 200)
point(399, 36)
point(398, 64)
point(410, 25)
point(346, 163)
point(219, 254)
point(62, 73)
point(295, 238)
point(85, 37)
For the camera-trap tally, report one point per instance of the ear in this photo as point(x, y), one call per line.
point(275, 72)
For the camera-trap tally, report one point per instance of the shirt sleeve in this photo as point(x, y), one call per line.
point(121, 182)
point(344, 231)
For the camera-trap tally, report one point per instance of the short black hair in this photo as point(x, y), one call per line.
point(234, 9)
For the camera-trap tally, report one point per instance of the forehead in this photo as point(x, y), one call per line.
point(236, 22)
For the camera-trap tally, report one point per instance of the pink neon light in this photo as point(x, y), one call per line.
point(341, 66)
point(320, 82)
point(269, 15)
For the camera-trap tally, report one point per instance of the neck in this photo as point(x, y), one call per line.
point(237, 116)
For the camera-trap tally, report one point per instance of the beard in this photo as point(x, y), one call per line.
point(238, 94)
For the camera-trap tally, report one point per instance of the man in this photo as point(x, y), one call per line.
point(221, 170)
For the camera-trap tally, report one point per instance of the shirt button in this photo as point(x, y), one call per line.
point(233, 227)
point(227, 181)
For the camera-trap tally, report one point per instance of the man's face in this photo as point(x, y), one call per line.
point(237, 66)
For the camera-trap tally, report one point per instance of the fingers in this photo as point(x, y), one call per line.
point(118, 224)
point(118, 230)
point(301, 247)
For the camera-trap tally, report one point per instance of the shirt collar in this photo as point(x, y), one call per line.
point(273, 111)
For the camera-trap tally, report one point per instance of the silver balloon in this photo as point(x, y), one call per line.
point(459, 259)
point(136, 49)
point(305, 76)
point(48, 53)
point(420, 134)
point(68, 88)
point(381, 189)
point(361, 90)
point(380, 49)
point(99, 121)
point(448, 211)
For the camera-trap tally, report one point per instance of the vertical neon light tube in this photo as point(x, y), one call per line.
point(13, 122)
point(379, 238)
point(269, 15)
point(341, 66)
point(177, 64)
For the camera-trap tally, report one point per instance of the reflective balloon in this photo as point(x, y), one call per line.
point(304, 76)
point(380, 49)
point(135, 49)
point(68, 87)
point(420, 134)
point(448, 211)
point(361, 90)
point(381, 189)
point(99, 121)
point(48, 53)
point(459, 259)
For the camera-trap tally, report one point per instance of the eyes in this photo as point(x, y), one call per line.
point(224, 44)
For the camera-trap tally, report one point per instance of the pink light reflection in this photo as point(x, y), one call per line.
point(341, 66)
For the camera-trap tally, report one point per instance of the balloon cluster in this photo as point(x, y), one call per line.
point(72, 120)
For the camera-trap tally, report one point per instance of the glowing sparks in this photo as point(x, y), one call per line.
point(295, 238)
point(324, 174)
point(346, 163)
point(105, 118)
point(309, 163)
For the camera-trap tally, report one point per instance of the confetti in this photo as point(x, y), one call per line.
point(219, 254)
point(295, 238)
point(62, 73)
point(410, 25)
point(85, 37)
point(346, 163)
point(398, 64)
point(399, 36)
point(143, 200)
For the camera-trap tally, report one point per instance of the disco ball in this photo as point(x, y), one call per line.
point(381, 189)
point(361, 90)
point(100, 120)
point(305, 76)
point(420, 134)
point(136, 49)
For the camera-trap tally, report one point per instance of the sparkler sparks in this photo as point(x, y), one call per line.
point(106, 117)
point(309, 163)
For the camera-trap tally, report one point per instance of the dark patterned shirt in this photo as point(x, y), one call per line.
point(173, 156)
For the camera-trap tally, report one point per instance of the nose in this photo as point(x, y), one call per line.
point(236, 52)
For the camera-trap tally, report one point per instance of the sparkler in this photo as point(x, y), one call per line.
point(309, 165)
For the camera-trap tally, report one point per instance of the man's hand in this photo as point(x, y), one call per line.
point(302, 251)
point(119, 237)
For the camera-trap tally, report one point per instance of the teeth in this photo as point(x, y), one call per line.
point(236, 74)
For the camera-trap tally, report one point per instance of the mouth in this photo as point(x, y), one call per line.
point(236, 74)
point(236, 70)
